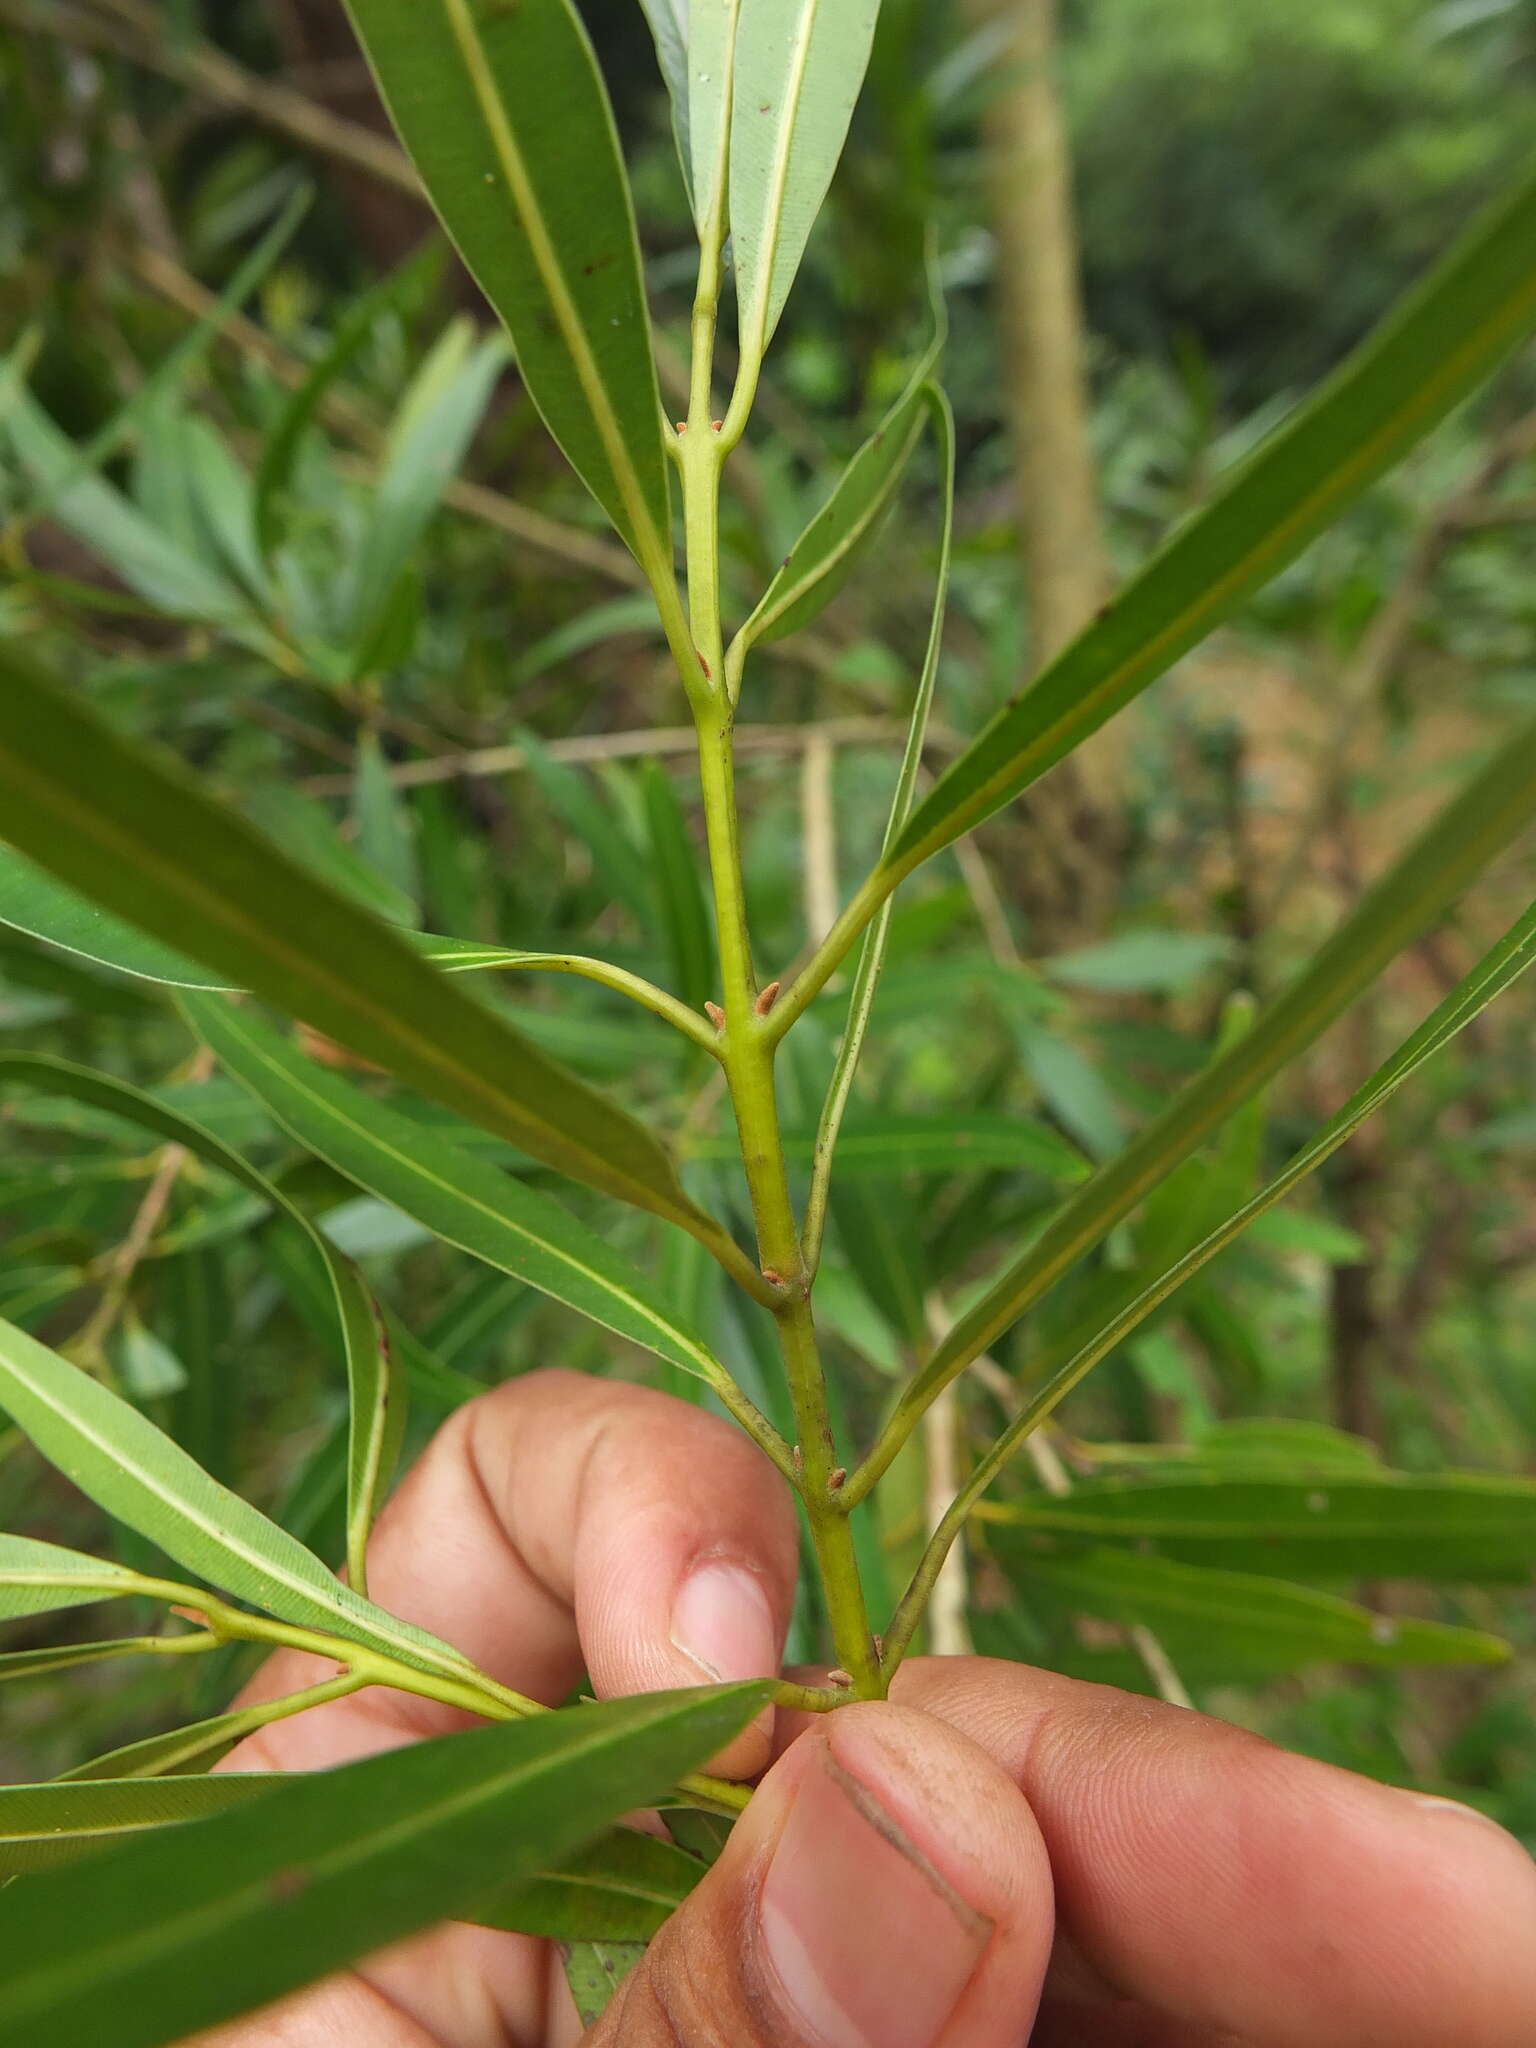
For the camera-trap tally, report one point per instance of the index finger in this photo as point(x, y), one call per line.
point(562, 1525)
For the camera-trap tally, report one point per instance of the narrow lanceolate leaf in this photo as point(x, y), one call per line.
point(1514, 953)
point(43, 1826)
point(1258, 1624)
point(67, 1656)
point(1471, 312)
point(505, 117)
point(669, 26)
point(825, 555)
point(195, 1925)
point(136, 833)
point(464, 1199)
point(622, 1888)
point(37, 1578)
point(799, 67)
point(1477, 825)
point(1350, 1522)
point(711, 83)
point(132, 1470)
point(376, 1395)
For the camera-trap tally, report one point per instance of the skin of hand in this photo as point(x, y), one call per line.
point(997, 1856)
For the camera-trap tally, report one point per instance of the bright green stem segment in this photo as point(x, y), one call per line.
point(746, 1044)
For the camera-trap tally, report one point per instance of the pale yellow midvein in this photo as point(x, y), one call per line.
point(778, 180)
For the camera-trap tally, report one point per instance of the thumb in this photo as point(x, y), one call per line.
point(887, 1888)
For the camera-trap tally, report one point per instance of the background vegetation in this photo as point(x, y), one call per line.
point(435, 680)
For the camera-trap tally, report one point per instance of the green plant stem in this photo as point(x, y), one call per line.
point(746, 1045)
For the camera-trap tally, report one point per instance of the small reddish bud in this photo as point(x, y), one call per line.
point(840, 1677)
point(682, 426)
point(767, 999)
point(717, 425)
point(773, 1276)
point(715, 1015)
point(837, 1479)
point(703, 664)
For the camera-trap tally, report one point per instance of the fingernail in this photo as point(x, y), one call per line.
point(866, 1944)
point(1432, 1803)
point(722, 1621)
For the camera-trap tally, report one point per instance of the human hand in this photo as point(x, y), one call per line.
point(997, 1856)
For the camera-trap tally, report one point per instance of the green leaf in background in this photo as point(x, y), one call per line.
point(1494, 807)
point(133, 1471)
point(622, 1888)
point(280, 455)
point(138, 834)
point(1341, 1522)
point(594, 1970)
point(1471, 312)
point(1260, 1625)
point(173, 368)
point(461, 1198)
point(152, 565)
point(1498, 968)
point(505, 117)
point(683, 913)
point(382, 814)
point(43, 1826)
point(875, 1144)
point(376, 1397)
point(799, 67)
point(185, 1929)
point(39, 1578)
point(1142, 962)
point(424, 448)
point(830, 548)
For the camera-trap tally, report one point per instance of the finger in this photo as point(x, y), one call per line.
point(1230, 1885)
point(887, 1888)
point(563, 1524)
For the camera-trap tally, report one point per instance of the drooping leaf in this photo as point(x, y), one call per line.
point(1469, 314)
point(137, 834)
point(798, 70)
point(462, 1198)
point(117, 1456)
point(505, 117)
point(191, 1927)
